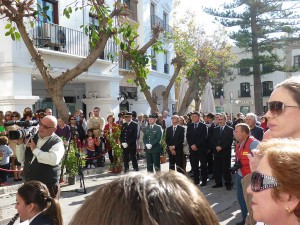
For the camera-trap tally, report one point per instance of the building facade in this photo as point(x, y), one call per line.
point(237, 95)
point(63, 44)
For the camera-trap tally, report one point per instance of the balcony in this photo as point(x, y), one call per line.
point(156, 21)
point(57, 38)
point(123, 63)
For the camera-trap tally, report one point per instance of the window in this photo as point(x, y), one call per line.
point(153, 60)
point(267, 88)
point(297, 61)
point(52, 11)
point(165, 21)
point(218, 91)
point(166, 65)
point(245, 90)
point(127, 2)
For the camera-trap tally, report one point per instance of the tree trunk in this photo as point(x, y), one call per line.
point(189, 95)
point(147, 94)
point(166, 93)
point(197, 102)
point(258, 101)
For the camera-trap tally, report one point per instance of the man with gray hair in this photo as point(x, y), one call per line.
point(255, 130)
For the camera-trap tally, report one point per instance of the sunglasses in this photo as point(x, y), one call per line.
point(14, 116)
point(260, 182)
point(277, 107)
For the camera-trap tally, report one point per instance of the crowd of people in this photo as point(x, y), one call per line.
point(266, 165)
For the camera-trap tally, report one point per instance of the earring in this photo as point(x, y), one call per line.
point(288, 210)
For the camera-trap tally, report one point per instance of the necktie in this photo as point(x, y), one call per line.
point(195, 126)
point(221, 130)
point(174, 129)
point(151, 127)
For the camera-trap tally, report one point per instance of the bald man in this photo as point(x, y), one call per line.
point(42, 155)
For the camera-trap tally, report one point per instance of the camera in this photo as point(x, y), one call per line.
point(237, 165)
point(28, 129)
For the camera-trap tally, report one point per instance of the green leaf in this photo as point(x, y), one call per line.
point(7, 33)
point(18, 36)
point(31, 24)
point(8, 26)
point(13, 36)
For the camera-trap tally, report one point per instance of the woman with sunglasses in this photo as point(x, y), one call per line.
point(284, 109)
point(15, 165)
point(275, 183)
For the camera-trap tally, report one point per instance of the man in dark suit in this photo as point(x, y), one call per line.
point(196, 137)
point(128, 140)
point(221, 142)
point(152, 137)
point(174, 141)
point(255, 130)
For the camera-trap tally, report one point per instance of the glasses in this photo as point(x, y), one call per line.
point(46, 127)
point(260, 182)
point(14, 116)
point(72, 119)
point(277, 107)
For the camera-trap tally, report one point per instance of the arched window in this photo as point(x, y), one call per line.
point(267, 88)
point(245, 90)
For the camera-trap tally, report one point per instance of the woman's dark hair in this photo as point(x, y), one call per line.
point(36, 192)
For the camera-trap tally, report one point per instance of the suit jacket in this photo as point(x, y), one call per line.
point(40, 219)
point(129, 134)
point(257, 132)
point(153, 136)
point(197, 136)
point(176, 140)
point(224, 140)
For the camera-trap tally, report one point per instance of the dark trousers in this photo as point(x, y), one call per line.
point(222, 167)
point(210, 162)
point(178, 161)
point(153, 159)
point(90, 154)
point(4, 174)
point(195, 157)
point(130, 153)
point(110, 155)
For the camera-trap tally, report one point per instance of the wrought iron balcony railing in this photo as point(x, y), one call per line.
point(156, 21)
point(57, 38)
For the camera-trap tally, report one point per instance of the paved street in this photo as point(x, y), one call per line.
point(223, 202)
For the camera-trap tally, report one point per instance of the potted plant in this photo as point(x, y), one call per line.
point(73, 160)
point(163, 155)
point(114, 140)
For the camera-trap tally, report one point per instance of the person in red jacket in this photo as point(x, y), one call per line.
point(246, 144)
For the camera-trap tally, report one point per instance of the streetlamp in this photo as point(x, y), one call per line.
point(231, 100)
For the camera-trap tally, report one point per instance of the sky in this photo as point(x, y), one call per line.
point(202, 18)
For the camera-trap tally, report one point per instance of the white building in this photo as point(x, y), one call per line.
point(241, 89)
point(63, 44)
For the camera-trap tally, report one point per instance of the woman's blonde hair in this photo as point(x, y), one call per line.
point(283, 156)
point(148, 199)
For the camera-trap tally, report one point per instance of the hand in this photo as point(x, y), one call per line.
point(254, 160)
point(125, 145)
point(173, 152)
point(32, 145)
point(194, 148)
point(171, 148)
point(218, 148)
point(149, 146)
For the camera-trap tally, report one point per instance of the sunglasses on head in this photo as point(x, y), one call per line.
point(277, 107)
point(260, 182)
